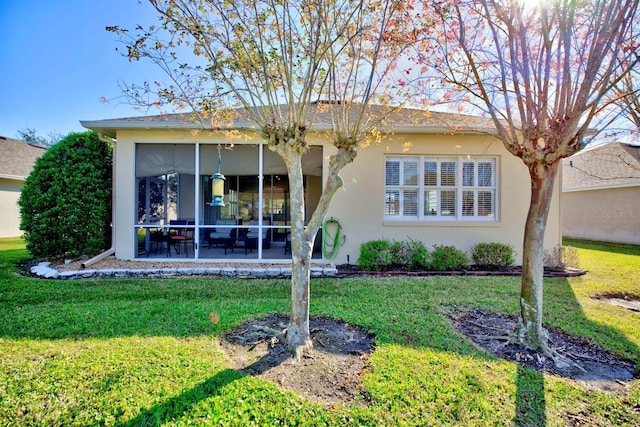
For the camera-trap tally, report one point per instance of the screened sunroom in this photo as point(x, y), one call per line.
point(175, 214)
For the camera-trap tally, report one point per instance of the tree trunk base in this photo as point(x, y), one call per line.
point(297, 344)
point(540, 342)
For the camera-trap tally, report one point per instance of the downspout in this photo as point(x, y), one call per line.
point(112, 249)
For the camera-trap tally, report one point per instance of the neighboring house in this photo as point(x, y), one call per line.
point(16, 161)
point(601, 194)
point(440, 178)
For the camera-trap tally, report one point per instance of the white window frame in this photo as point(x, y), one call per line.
point(394, 210)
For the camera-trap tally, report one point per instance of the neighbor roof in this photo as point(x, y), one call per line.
point(399, 120)
point(610, 166)
point(17, 158)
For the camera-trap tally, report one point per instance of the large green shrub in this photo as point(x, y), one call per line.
point(375, 255)
point(447, 258)
point(65, 205)
point(409, 254)
point(493, 255)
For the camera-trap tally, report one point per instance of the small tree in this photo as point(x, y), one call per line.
point(30, 135)
point(543, 73)
point(285, 64)
point(65, 205)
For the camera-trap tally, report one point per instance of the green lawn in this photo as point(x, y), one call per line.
point(143, 352)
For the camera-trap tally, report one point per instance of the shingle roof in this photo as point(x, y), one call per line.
point(400, 120)
point(613, 165)
point(17, 158)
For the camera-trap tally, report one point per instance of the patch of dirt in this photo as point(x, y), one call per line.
point(588, 364)
point(628, 301)
point(329, 374)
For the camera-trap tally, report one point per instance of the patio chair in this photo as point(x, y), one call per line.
point(251, 238)
point(182, 236)
point(226, 236)
point(157, 236)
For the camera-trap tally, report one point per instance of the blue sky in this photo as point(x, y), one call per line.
point(57, 61)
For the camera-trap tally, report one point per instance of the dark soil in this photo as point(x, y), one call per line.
point(329, 374)
point(628, 301)
point(25, 266)
point(346, 270)
point(585, 362)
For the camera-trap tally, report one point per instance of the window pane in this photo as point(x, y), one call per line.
point(448, 203)
point(429, 187)
point(486, 204)
point(467, 174)
point(410, 170)
point(430, 202)
point(468, 203)
point(485, 174)
point(392, 175)
point(392, 202)
point(448, 174)
point(410, 203)
point(431, 173)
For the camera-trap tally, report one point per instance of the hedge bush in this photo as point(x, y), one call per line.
point(383, 254)
point(444, 258)
point(375, 255)
point(409, 254)
point(65, 205)
point(493, 255)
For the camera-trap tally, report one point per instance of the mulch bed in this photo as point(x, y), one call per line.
point(349, 270)
point(329, 374)
point(588, 363)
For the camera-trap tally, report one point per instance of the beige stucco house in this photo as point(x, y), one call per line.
point(601, 194)
point(16, 161)
point(437, 177)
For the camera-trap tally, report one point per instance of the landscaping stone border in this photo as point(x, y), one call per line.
point(49, 271)
point(45, 270)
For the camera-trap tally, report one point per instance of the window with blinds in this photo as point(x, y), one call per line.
point(444, 188)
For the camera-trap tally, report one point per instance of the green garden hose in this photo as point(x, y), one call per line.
point(330, 243)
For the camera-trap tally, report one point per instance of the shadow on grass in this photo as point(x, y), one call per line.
point(530, 398)
point(530, 384)
point(606, 370)
point(175, 407)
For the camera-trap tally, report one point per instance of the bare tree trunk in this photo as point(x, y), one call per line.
point(298, 335)
point(530, 331)
point(303, 235)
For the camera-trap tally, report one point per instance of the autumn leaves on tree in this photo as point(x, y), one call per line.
point(544, 74)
